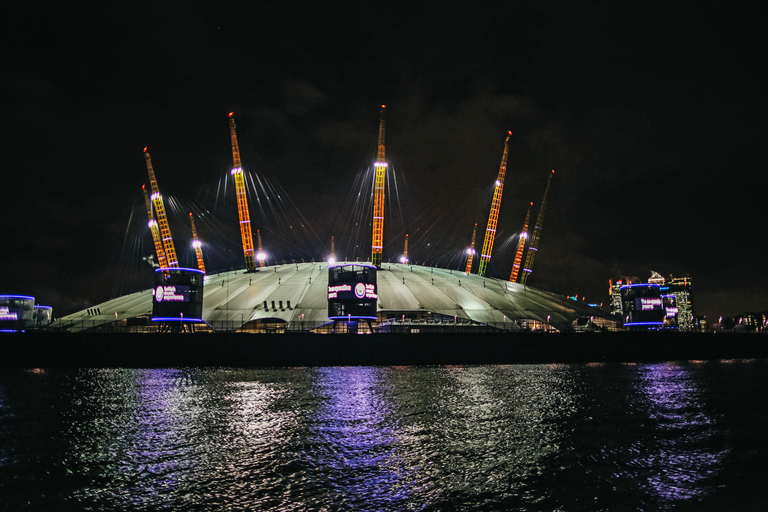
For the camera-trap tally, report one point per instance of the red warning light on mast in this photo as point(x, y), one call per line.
point(145, 148)
point(383, 106)
point(231, 114)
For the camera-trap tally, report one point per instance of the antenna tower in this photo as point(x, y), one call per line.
point(162, 220)
point(242, 200)
point(261, 256)
point(197, 245)
point(378, 198)
point(155, 230)
point(533, 248)
point(471, 251)
point(493, 218)
point(520, 247)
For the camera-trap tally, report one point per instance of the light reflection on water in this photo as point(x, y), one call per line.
point(529, 437)
point(685, 433)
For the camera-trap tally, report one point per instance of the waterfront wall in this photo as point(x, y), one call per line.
point(244, 350)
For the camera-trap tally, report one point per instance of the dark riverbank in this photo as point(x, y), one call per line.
point(262, 350)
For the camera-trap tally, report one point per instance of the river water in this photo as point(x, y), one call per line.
point(675, 436)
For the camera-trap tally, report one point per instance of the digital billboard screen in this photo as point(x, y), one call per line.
point(178, 295)
point(352, 292)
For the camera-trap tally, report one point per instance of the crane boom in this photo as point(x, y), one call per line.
point(197, 244)
point(471, 251)
point(377, 243)
point(520, 247)
point(162, 220)
point(154, 230)
point(242, 201)
point(534, 247)
point(493, 218)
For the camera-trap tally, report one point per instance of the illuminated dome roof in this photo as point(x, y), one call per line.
point(295, 293)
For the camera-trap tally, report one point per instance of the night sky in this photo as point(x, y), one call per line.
point(652, 115)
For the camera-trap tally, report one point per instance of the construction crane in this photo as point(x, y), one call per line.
point(471, 251)
point(493, 218)
point(242, 201)
point(162, 220)
point(520, 247)
point(377, 243)
point(536, 236)
point(197, 244)
point(404, 259)
point(155, 231)
point(260, 255)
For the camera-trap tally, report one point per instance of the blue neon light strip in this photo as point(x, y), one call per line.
point(638, 285)
point(16, 297)
point(179, 268)
point(643, 323)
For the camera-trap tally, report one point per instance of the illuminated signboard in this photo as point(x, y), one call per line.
point(349, 291)
point(7, 314)
point(172, 293)
point(648, 303)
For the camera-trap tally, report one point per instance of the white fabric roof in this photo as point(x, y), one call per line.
point(237, 297)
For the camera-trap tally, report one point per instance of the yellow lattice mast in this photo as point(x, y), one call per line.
point(404, 259)
point(533, 248)
point(261, 256)
point(242, 201)
point(162, 220)
point(332, 259)
point(471, 251)
point(520, 247)
point(378, 198)
point(155, 231)
point(493, 218)
point(197, 244)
